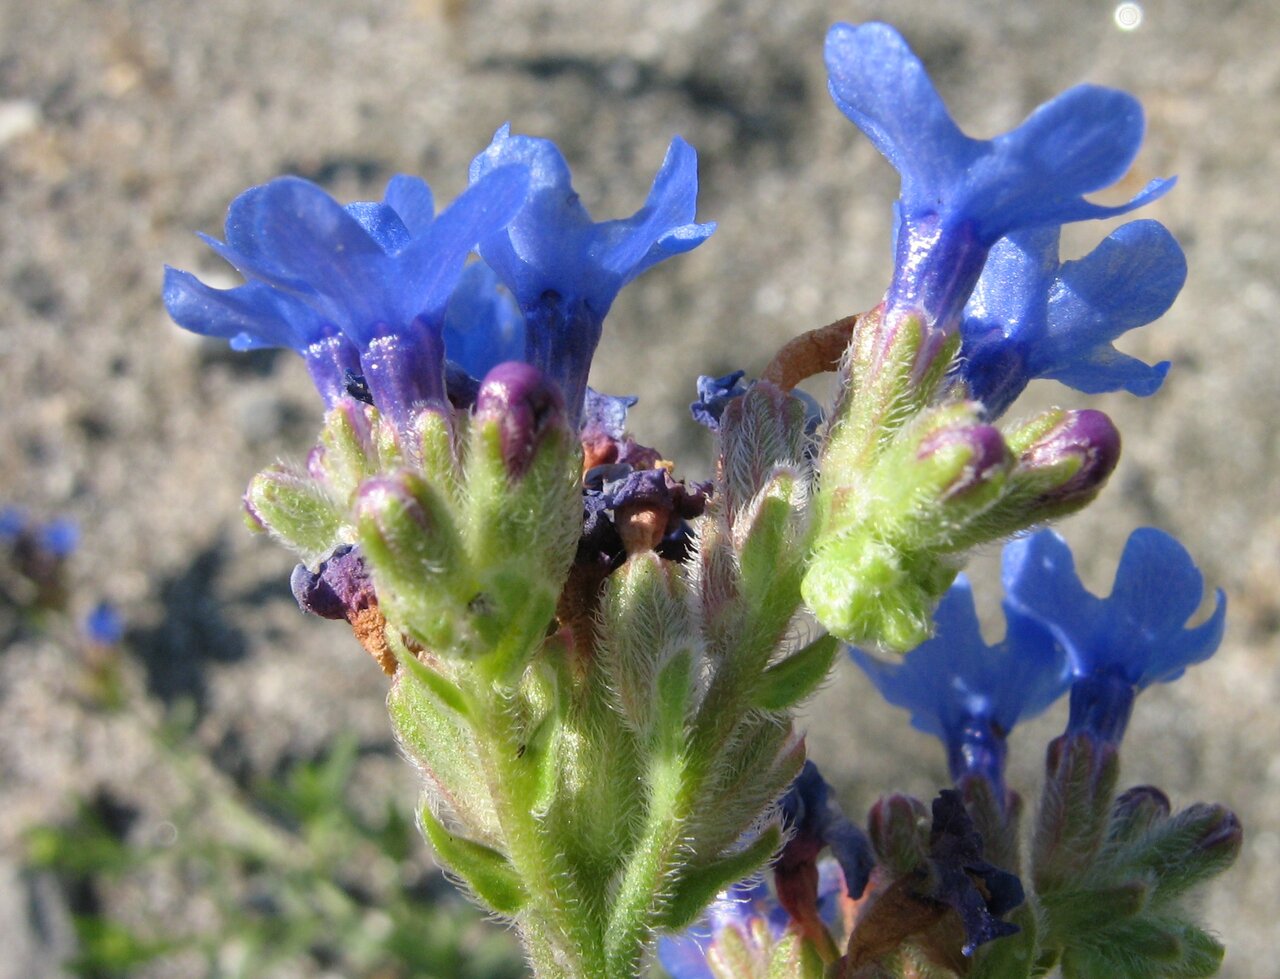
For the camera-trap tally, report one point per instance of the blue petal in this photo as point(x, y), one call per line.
point(1081, 141)
point(878, 82)
point(664, 226)
point(412, 200)
point(1130, 279)
point(483, 326)
point(1140, 628)
point(251, 316)
point(312, 239)
point(382, 223)
point(956, 677)
point(430, 265)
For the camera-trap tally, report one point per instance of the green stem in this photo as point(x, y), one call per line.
point(560, 940)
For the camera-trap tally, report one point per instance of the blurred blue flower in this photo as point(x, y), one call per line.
point(13, 521)
point(1120, 644)
point(483, 326)
point(960, 195)
point(564, 269)
point(59, 537)
point(104, 624)
point(1031, 316)
point(360, 288)
point(969, 694)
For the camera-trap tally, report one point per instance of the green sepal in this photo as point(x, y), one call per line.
point(1075, 811)
point(1013, 956)
point(866, 590)
point(697, 886)
point(771, 556)
point(760, 431)
point(1144, 948)
point(1183, 851)
point(646, 619)
point(348, 455)
point(731, 957)
point(442, 688)
point(409, 540)
point(1072, 914)
point(437, 449)
point(298, 511)
point(487, 871)
point(433, 737)
point(794, 958)
point(788, 682)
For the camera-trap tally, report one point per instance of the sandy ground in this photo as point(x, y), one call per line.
point(125, 125)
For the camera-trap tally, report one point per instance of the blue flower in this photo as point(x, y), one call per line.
point(104, 625)
point(59, 537)
point(961, 195)
point(1120, 644)
point(563, 268)
point(363, 286)
point(1031, 316)
point(969, 694)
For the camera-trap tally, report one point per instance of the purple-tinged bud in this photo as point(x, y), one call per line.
point(987, 454)
point(1089, 442)
point(338, 589)
point(1225, 833)
point(526, 405)
point(897, 825)
point(1137, 810)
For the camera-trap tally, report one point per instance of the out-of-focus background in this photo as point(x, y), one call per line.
point(126, 125)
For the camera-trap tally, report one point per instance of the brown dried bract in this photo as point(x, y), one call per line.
point(815, 352)
point(370, 627)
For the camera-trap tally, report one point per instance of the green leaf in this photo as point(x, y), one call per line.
point(787, 683)
point(488, 872)
point(698, 886)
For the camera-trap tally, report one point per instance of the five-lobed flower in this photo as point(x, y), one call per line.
point(1121, 644)
point(961, 195)
point(564, 269)
point(969, 694)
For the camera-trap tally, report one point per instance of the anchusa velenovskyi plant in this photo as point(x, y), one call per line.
point(595, 664)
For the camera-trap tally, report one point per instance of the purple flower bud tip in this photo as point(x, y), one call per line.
point(381, 492)
point(526, 405)
point(1087, 435)
point(1142, 798)
point(1223, 830)
point(987, 453)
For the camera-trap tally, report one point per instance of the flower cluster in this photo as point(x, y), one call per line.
point(382, 290)
point(596, 665)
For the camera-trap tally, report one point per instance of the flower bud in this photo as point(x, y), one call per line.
point(978, 453)
point(1081, 452)
point(897, 825)
point(525, 405)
